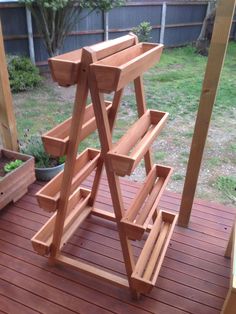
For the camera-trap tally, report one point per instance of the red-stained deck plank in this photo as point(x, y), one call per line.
point(193, 279)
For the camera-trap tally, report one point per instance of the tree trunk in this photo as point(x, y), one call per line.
point(204, 39)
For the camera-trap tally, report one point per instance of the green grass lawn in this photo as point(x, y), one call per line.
point(173, 85)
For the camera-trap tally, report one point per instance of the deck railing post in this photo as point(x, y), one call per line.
point(7, 118)
point(220, 37)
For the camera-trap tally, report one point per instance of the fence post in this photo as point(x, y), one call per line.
point(106, 24)
point(30, 35)
point(7, 118)
point(163, 22)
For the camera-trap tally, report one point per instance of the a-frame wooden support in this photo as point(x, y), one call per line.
point(219, 42)
point(105, 68)
point(7, 118)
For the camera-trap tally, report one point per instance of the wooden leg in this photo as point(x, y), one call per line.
point(229, 306)
point(230, 244)
point(104, 131)
point(112, 119)
point(76, 126)
point(141, 106)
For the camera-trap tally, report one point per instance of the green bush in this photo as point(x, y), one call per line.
point(143, 31)
point(23, 75)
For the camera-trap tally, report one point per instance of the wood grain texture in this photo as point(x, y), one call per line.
point(15, 184)
point(7, 117)
point(219, 42)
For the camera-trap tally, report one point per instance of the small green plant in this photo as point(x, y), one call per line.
point(34, 147)
point(228, 186)
point(177, 177)
point(12, 165)
point(23, 75)
point(143, 31)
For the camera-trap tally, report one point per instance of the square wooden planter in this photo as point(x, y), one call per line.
point(15, 184)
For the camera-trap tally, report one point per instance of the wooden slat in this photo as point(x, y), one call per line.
point(93, 271)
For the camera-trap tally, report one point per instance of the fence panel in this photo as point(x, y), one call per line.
point(183, 25)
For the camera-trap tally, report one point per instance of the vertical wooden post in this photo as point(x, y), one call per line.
point(220, 37)
point(7, 118)
point(163, 22)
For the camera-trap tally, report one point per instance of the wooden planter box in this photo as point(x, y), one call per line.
point(115, 72)
point(151, 258)
point(15, 184)
point(48, 197)
point(131, 148)
point(144, 205)
point(76, 214)
point(56, 140)
point(65, 68)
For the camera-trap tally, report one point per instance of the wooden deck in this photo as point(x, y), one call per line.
point(193, 279)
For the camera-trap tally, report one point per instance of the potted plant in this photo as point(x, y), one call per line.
point(46, 166)
point(16, 174)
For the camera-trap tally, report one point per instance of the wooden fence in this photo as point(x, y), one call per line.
point(173, 23)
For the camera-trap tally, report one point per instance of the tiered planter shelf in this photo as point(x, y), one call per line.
point(56, 140)
point(137, 219)
point(48, 197)
point(150, 260)
point(116, 71)
point(131, 148)
point(104, 68)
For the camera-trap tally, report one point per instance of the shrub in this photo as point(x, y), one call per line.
point(34, 147)
point(143, 31)
point(23, 75)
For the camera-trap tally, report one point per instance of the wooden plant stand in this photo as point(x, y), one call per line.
point(104, 68)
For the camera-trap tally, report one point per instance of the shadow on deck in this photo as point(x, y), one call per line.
point(194, 277)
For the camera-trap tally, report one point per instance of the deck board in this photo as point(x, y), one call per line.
point(193, 279)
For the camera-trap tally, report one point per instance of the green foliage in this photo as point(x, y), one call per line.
point(177, 177)
point(34, 147)
point(228, 187)
point(23, 75)
point(12, 165)
point(56, 18)
point(143, 31)
point(54, 5)
point(102, 5)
